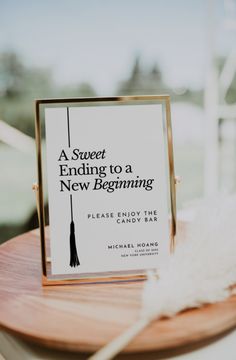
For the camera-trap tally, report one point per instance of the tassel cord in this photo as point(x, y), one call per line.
point(74, 259)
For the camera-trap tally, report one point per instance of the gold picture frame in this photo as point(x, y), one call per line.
point(40, 105)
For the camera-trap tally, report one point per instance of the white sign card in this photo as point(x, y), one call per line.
point(108, 187)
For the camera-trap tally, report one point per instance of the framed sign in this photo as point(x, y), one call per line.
point(106, 170)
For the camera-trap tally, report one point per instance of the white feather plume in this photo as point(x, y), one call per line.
point(203, 267)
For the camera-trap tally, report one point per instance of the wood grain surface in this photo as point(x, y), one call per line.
point(86, 317)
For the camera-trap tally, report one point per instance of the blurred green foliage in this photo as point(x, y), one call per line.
point(20, 85)
point(150, 81)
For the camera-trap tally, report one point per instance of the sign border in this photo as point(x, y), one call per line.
point(110, 277)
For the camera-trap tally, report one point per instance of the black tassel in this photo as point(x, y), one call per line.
point(74, 260)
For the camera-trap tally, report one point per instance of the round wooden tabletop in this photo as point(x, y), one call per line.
point(86, 317)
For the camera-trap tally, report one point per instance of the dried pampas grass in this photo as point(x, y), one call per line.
point(201, 271)
point(202, 268)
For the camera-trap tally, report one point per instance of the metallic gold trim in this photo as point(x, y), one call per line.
point(35, 188)
point(127, 278)
point(172, 175)
point(40, 187)
point(124, 99)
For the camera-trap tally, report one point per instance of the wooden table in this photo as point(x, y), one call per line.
point(83, 318)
